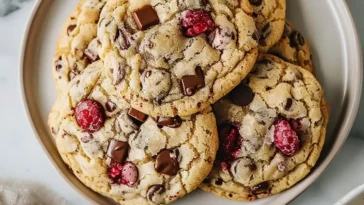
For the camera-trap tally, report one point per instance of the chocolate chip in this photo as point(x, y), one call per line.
point(266, 29)
point(70, 28)
point(148, 74)
point(122, 40)
point(264, 32)
point(137, 115)
point(154, 191)
point(288, 104)
point(172, 122)
point(218, 181)
point(260, 188)
point(91, 51)
point(265, 61)
point(110, 106)
point(242, 95)
point(58, 64)
point(91, 55)
point(190, 84)
point(296, 39)
point(165, 163)
point(256, 36)
point(118, 74)
point(230, 195)
point(145, 17)
point(255, 2)
point(118, 150)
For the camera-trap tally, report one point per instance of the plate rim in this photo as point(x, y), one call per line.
point(354, 60)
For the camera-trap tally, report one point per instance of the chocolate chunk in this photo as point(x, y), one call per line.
point(242, 95)
point(110, 106)
point(264, 32)
point(261, 188)
point(218, 181)
point(288, 104)
point(145, 17)
point(256, 36)
point(118, 150)
point(296, 39)
point(122, 40)
point(137, 115)
point(154, 193)
point(255, 2)
point(190, 84)
point(70, 28)
point(58, 64)
point(91, 52)
point(172, 122)
point(165, 163)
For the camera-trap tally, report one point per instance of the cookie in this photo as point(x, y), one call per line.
point(270, 16)
point(123, 153)
point(176, 57)
point(77, 44)
point(272, 128)
point(294, 48)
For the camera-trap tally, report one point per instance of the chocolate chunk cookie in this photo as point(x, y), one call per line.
point(272, 128)
point(294, 48)
point(77, 44)
point(171, 58)
point(123, 153)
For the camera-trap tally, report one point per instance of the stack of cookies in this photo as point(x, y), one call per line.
point(159, 97)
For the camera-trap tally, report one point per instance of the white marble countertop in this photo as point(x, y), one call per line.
point(22, 157)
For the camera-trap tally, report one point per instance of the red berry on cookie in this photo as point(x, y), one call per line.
point(90, 115)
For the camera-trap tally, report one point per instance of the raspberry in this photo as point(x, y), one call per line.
point(230, 145)
point(114, 171)
point(195, 22)
point(90, 115)
point(285, 138)
point(129, 174)
point(126, 174)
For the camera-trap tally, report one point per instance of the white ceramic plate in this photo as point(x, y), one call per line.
point(354, 197)
point(337, 57)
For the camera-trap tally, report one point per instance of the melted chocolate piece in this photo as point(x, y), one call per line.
point(242, 95)
point(255, 2)
point(172, 122)
point(261, 188)
point(70, 28)
point(190, 84)
point(118, 150)
point(145, 17)
point(218, 181)
point(110, 106)
point(288, 104)
point(264, 32)
point(165, 163)
point(137, 115)
point(154, 191)
point(296, 39)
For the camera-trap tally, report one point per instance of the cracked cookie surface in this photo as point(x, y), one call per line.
point(270, 16)
point(122, 153)
point(272, 128)
point(182, 57)
point(294, 48)
point(77, 44)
